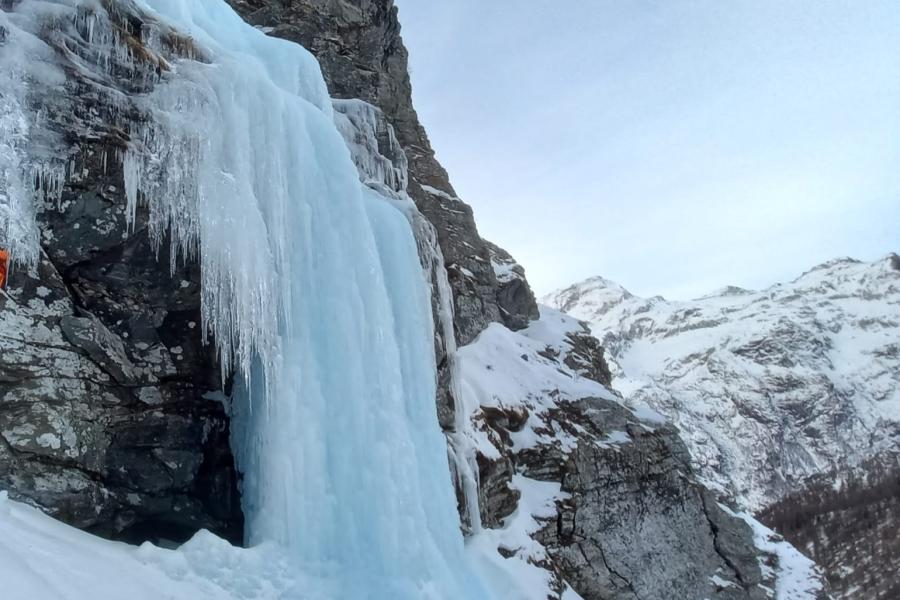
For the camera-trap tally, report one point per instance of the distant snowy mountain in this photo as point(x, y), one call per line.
point(768, 387)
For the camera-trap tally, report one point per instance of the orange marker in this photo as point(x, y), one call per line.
point(4, 267)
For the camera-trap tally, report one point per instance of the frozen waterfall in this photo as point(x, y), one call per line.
point(313, 287)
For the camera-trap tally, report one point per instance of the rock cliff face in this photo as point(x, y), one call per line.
point(617, 510)
point(108, 410)
point(112, 412)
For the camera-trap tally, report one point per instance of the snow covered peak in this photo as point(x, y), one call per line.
point(806, 371)
point(592, 296)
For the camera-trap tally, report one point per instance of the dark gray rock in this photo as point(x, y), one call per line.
point(497, 497)
point(636, 525)
point(514, 297)
point(632, 521)
point(587, 356)
point(105, 416)
point(125, 452)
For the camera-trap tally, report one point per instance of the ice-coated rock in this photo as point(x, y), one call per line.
point(105, 420)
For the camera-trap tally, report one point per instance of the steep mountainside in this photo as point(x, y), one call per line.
point(115, 413)
point(850, 530)
point(788, 398)
point(768, 388)
point(607, 494)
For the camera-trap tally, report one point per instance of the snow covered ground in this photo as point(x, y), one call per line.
point(518, 577)
point(797, 577)
point(43, 559)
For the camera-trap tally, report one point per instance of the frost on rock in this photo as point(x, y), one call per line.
point(28, 167)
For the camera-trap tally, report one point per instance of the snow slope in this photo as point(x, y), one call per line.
point(768, 387)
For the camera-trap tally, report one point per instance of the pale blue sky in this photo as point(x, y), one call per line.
point(674, 147)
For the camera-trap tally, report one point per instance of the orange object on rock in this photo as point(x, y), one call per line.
point(4, 267)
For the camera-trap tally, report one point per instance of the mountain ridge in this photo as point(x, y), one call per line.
point(804, 326)
point(788, 399)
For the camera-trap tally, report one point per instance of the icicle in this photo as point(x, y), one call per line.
point(312, 283)
point(378, 156)
point(382, 166)
point(18, 229)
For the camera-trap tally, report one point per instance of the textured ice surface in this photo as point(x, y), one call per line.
point(312, 283)
point(241, 160)
point(375, 149)
point(382, 166)
point(318, 277)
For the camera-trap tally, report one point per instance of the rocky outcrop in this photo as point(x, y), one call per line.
point(514, 297)
point(628, 519)
point(635, 524)
point(110, 404)
point(110, 435)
